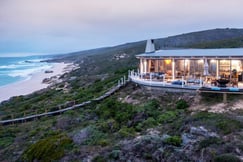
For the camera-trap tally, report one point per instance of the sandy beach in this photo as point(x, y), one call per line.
point(33, 84)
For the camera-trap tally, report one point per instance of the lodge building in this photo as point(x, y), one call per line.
point(207, 67)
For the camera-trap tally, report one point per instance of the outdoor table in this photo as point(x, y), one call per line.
point(222, 82)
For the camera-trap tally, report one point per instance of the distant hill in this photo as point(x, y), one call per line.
point(104, 59)
point(215, 38)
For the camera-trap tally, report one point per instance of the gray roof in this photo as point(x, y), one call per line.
point(196, 53)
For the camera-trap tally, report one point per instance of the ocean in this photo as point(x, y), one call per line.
point(14, 69)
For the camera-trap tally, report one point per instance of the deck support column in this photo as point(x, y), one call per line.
point(173, 69)
point(224, 97)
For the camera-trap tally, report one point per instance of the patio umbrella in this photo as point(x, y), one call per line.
point(205, 68)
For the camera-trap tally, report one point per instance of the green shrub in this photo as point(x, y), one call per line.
point(174, 140)
point(168, 116)
point(150, 122)
point(115, 154)
point(99, 159)
point(139, 127)
point(152, 108)
point(96, 137)
point(217, 122)
point(111, 108)
point(103, 142)
point(226, 158)
point(6, 141)
point(181, 104)
point(109, 125)
point(7, 136)
point(227, 126)
point(209, 141)
point(126, 132)
point(48, 149)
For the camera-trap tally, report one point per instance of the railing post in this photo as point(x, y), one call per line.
point(163, 80)
point(182, 81)
point(121, 81)
point(200, 82)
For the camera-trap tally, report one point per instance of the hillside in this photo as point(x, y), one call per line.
point(134, 124)
point(211, 39)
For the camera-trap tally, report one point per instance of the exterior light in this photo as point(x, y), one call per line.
point(212, 61)
point(200, 61)
point(186, 62)
point(167, 62)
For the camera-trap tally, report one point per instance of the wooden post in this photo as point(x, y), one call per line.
point(35, 114)
point(224, 97)
point(24, 116)
point(12, 116)
point(182, 81)
point(201, 83)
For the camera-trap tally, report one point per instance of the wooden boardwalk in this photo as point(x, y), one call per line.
point(52, 113)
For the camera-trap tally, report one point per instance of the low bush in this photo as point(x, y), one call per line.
point(96, 137)
point(174, 140)
point(48, 149)
point(227, 126)
point(109, 125)
point(226, 158)
point(126, 132)
point(113, 109)
point(181, 104)
point(6, 141)
point(168, 116)
point(217, 122)
point(99, 159)
point(209, 141)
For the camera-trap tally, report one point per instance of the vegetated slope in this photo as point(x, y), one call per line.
point(135, 124)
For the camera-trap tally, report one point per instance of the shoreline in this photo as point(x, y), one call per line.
point(35, 82)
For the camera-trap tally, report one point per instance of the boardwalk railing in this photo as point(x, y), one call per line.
point(52, 113)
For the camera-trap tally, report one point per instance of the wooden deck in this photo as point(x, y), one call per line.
point(206, 88)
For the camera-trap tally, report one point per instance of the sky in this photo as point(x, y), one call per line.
point(62, 26)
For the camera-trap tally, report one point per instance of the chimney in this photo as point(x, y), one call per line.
point(150, 48)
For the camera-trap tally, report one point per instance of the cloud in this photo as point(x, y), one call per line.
point(109, 22)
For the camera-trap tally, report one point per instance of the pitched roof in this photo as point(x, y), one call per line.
point(222, 52)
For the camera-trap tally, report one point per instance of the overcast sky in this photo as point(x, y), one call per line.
point(59, 26)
